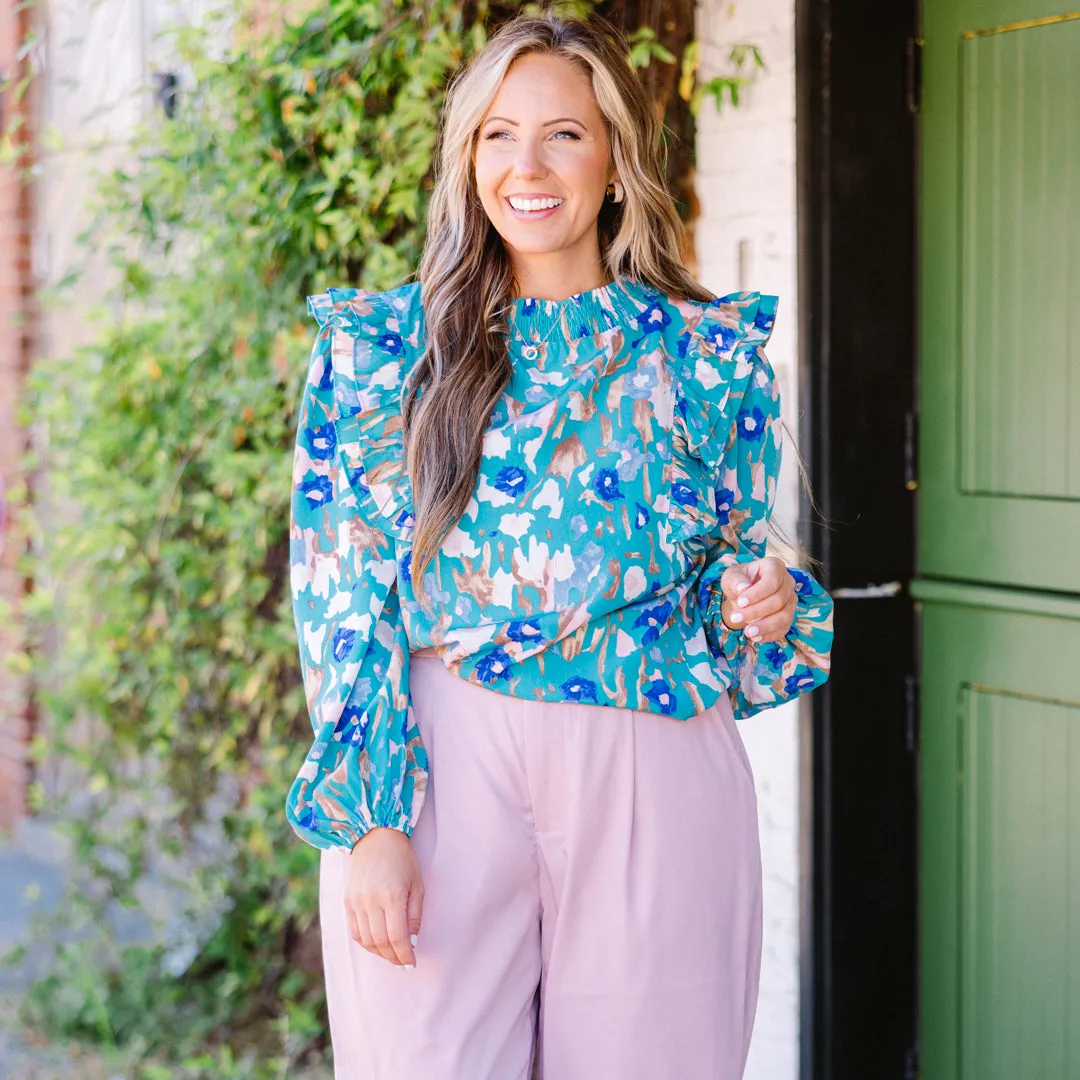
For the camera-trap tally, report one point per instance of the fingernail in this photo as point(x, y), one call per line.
point(736, 616)
point(412, 940)
point(742, 601)
point(752, 631)
point(408, 967)
point(743, 586)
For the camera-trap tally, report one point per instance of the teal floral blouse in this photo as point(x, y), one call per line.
point(631, 460)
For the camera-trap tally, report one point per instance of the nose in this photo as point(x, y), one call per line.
point(529, 162)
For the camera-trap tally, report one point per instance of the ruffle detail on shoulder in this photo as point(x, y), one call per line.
point(373, 341)
point(720, 356)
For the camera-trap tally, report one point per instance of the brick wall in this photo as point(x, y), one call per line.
point(17, 334)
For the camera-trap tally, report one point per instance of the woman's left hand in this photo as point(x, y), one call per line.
point(759, 597)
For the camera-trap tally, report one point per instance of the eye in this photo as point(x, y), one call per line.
point(495, 135)
point(573, 134)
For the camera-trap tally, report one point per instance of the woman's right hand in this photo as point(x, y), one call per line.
point(384, 895)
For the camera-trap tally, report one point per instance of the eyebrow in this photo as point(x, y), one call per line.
point(514, 123)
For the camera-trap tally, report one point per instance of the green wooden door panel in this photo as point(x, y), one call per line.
point(1019, 347)
point(1000, 296)
point(1019, 857)
point(1000, 842)
point(999, 532)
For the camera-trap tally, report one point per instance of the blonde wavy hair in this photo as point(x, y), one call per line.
point(467, 282)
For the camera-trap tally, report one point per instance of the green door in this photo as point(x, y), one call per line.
point(999, 541)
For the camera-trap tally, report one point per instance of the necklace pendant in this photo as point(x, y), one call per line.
point(530, 352)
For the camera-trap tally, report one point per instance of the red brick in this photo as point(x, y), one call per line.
point(17, 347)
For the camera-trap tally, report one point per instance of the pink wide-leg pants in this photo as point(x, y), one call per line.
point(592, 900)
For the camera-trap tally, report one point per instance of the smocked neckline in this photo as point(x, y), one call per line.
point(582, 314)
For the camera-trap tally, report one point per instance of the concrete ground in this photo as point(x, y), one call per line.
point(32, 877)
point(33, 872)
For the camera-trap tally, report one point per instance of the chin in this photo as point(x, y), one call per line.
point(532, 243)
point(534, 247)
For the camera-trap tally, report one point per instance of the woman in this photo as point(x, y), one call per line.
point(532, 493)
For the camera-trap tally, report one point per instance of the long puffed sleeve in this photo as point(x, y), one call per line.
point(728, 422)
point(367, 766)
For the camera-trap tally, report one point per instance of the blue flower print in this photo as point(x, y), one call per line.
point(725, 500)
point(327, 380)
point(706, 590)
point(722, 337)
point(588, 559)
point(586, 563)
point(752, 424)
point(640, 384)
point(352, 726)
point(343, 643)
point(579, 689)
point(774, 655)
point(802, 680)
point(435, 595)
point(511, 480)
point(390, 342)
point(308, 820)
point(653, 319)
point(494, 666)
point(662, 696)
point(405, 567)
point(318, 490)
point(641, 516)
point(357, 477)
point(525, 631)
point(684, 494)
point(321, 441)
point(578, 526)
point(655, 618)
point(607, 485)
point(804, 583)
point(632, 457)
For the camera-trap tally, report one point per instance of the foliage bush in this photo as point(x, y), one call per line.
point(163, 636)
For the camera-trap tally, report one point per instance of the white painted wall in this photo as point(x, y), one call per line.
point(100, 56)
point(746, 184)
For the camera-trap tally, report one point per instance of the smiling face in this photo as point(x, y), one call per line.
point(542, 164)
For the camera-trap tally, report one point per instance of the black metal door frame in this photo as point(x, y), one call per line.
point(857, 85)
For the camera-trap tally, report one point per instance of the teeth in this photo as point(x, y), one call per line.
point(535, 204)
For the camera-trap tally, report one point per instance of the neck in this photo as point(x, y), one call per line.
point(555, 275)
